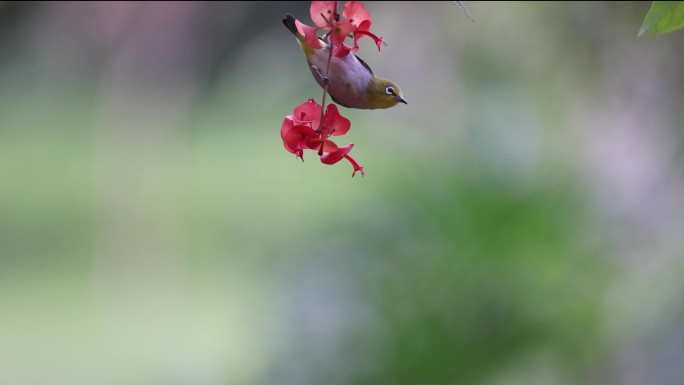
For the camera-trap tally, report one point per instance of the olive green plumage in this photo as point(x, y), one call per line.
point(352, 83)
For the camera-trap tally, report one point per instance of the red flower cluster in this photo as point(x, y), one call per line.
point(303, 131)
point(306, 129)
point(357, 24)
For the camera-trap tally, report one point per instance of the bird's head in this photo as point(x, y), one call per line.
point(383, 93)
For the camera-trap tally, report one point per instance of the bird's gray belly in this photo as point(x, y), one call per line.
point(348, 79)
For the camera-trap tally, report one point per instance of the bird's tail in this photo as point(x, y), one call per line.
point(289, 23)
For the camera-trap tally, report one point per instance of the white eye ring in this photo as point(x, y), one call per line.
point(389, 90)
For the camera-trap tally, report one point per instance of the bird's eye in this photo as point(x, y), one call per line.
point(389, 90)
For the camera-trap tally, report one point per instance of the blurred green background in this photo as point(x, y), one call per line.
point(521, 220)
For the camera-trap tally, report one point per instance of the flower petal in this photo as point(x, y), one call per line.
point(342, 152)
point(295, 140)
point(334, 123)
point(323, 13)
point(364, 30)
point(341, 51)
point(310, 35)
point(340, 32)
point(287, 126)
point(309, 112)
point(336, 156)
point(321, 145)
point(296, 137)
point(356, 13)
point(355, 164)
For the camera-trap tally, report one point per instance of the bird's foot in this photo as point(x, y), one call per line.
point(323, 78)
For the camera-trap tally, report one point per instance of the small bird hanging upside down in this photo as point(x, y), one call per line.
point(351, 82)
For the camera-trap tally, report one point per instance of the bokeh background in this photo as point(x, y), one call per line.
point(521, 220)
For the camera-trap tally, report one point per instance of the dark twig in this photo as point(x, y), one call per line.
point(326, 78)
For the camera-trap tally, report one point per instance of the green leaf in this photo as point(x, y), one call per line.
point(663, 17)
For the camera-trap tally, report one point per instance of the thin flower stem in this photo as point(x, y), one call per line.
point(326, 79)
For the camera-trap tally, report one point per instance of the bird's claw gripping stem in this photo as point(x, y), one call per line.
point(324, 79)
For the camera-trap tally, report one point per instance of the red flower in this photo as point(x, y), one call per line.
point(300, 132)
point(360, 18)
point(309, 112)
point(355, 12)
point(364, 30)
point(296, 137)
point(342, 152)
point(324, 15)
point(334, 123)
point(308, 128)
point(339, 34)
point(310, 35)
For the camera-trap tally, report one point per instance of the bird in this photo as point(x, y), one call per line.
point(351, 82)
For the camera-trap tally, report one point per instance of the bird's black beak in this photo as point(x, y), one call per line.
point(399, 98)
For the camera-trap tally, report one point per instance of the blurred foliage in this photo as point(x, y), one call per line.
point(470, 278)
point(663, 17)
